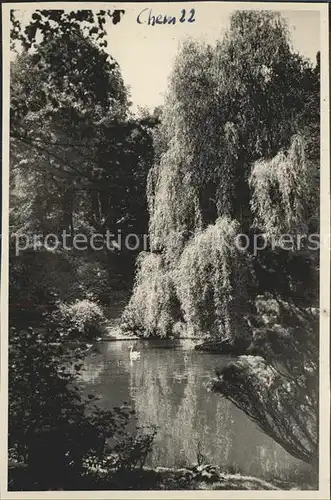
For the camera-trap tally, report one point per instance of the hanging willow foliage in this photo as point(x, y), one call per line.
point(174, 207)
point(150, 311)
point(211, 281)
point(216, 124)
point(280, 189)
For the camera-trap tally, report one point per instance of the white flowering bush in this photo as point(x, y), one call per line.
point(82, 318)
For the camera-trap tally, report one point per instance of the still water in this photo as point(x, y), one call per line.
point(167, 388)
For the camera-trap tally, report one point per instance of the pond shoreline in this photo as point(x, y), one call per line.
point(207, 345)
point(199, 477)
point(205, 477)
point(191, 421)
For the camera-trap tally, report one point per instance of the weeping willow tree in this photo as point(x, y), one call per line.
point(174, 206)
point(229, 116)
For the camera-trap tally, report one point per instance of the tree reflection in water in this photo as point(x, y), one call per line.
point(168, 388)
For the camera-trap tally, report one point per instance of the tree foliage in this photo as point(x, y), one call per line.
point(214, 302)
point(44, 23)
point(79, 159)
point(280, 189)
point(70, 111)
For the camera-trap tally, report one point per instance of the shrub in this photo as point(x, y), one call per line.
point(82, 319)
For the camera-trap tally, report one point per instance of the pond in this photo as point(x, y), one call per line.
point(167, 387)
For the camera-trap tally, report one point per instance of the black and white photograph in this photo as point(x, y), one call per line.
point(165, 277)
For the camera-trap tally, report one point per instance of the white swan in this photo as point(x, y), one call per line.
point(134, 354)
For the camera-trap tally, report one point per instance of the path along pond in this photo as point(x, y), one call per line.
point(167, 386)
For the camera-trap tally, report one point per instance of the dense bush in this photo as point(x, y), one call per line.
point(81, 319)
